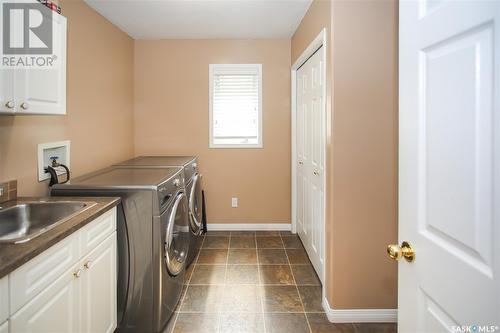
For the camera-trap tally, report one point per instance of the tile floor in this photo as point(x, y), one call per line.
point(255, 282)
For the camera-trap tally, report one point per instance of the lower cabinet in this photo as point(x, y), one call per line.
point(82, 299)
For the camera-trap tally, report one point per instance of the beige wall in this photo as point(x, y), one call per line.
point(171, 117)
point(365, 136)
point(361, 148)
point(317, 17)
point(99, 105)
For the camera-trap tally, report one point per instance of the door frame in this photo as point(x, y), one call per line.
point(319, 41)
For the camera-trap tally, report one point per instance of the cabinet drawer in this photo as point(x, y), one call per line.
point(97, 231)
point(4, 299)
point(37, 274)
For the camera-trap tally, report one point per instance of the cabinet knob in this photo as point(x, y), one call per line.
point(88, 264)
point(25, 106)
point(77, 273)
point(10, 104)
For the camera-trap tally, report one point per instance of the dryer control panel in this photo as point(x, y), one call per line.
point(168, 190)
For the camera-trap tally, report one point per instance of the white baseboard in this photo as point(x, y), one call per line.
point(360, 315)
point(249, 226)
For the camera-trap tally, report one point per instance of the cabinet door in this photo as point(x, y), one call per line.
point(99, 306)
point(4, 299)
point(7, 103)
point(43, 90)
point(56, 309)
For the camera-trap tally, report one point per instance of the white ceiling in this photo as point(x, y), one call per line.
point(231, 19)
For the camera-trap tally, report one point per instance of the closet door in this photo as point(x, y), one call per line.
point(302, 153)
point(310, 157)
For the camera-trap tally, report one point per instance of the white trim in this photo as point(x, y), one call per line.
point(235, 68)
point(294, 151)
point(319, 41)
point(360, 315)
point(249, 226)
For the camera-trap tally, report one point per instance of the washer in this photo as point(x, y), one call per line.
point(193, 190)
point(153, 239)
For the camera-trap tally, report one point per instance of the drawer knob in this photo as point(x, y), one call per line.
point(88, 264)
point(77, 273)
point(9, 104)
point(25, 106)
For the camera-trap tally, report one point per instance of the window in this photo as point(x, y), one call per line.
point(235, 106)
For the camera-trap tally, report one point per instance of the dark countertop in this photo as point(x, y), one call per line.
point(14, 255)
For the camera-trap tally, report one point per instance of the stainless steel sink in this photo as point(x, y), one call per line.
point(22, 222)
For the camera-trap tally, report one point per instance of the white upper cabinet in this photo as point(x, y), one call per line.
point(41, 87)
point(7, 90)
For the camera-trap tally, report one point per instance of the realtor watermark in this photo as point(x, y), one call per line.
point(27, 35)
point(475, 328)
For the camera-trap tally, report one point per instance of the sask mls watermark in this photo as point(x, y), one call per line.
point(27, 35)
point(474, 329)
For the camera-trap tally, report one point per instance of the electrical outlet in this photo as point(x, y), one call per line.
point(234, 202)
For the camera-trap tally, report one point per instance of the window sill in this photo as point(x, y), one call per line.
point(236, 146)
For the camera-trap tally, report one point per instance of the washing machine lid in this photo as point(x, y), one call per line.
point(123, 178)
point(158, 161)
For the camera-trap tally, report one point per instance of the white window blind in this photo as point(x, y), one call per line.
point(235, 106)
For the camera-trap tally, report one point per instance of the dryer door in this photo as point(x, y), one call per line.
point(176, 242)
point(196, 205)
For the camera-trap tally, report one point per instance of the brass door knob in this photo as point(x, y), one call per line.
point(395, 251)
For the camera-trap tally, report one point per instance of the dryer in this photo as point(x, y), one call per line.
point(193, 189)
point(153, 239)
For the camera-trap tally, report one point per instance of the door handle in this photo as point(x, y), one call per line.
point(395, 251)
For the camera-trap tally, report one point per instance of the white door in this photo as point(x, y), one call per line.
point(56, 309)
point(43, 91)
point(449, 185)
point(99, 308)
point(310, 157)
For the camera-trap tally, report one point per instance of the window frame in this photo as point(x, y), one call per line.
point(234, 67)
